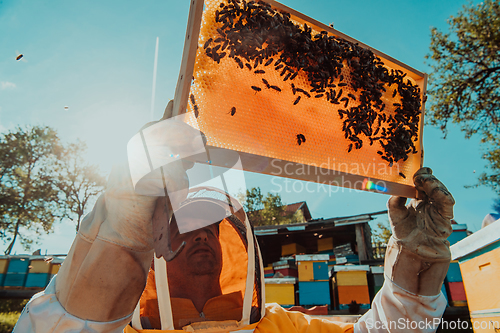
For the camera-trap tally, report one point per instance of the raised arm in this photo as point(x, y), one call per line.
point(105, 272)
point(416, 261)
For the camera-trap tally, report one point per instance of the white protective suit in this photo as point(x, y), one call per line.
point(106, 271)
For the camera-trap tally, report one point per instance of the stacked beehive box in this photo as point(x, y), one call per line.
point(314, 287)
point(454, 284)
point(39, 273)
point(378, 278)
point(285, 267)
point(17, 271)
point(4, 263)
point(479, 259)
point(352, 285)
point(290, 249)
point(281, 291)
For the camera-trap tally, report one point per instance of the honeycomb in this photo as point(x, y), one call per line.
point(251, 106)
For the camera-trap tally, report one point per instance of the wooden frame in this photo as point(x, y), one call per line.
point(261, 164)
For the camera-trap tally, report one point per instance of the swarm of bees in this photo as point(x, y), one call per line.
point(259, 37)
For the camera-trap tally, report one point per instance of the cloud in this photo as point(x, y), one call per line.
point(7, 85)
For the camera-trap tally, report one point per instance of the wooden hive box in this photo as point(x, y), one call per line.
point(281, 291)
point(314, 293)
point(284, 90)
point(4, 263)
point(16, 272)
point(479, 259)
point(313, 267)
point(293, 248)
point(352, 285)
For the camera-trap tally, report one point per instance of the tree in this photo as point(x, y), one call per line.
point(265, 210)
point(465, 83)
point(78, 182)
point(41, 181)
point(28, 195)
point(496, 205)
point(380, 237)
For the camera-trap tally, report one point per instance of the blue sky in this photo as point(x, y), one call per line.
point(96, 57)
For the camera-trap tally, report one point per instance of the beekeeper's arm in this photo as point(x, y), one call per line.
point(416, 261)
point(104, 274)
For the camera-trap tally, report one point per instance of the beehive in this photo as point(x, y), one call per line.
point(283, 89)
point(352, 285)
point(479, 259)
point(281, 291)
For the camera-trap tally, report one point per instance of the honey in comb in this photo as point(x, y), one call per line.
point(356, 101)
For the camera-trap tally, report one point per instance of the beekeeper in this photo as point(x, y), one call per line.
point(214, 283)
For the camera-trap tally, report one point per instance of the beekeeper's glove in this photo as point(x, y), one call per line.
point(106, 268)
point(418, 254)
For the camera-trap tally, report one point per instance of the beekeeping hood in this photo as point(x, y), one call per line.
point(241, 278)
point(153, 155)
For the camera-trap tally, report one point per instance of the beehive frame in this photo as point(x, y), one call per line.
point(291, 141)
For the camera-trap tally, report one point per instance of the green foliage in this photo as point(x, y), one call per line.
point(41, 181)
point(266, 210)
point(13, 304)
point(28, 196)
point(78, 182)
point(8, 320)
point(465, 83)
point(496, 205)
point(380, 237)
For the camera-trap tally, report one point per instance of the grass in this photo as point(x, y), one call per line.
point(8, 320)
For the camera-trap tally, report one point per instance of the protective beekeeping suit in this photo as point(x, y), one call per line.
point(214, 283)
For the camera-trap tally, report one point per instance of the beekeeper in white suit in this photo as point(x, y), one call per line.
point(109, 267)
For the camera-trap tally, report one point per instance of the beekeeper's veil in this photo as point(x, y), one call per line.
point(241, 278)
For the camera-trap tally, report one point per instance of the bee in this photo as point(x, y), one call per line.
point(319, 95)
point(342, 84)
point(287, 76)
point(293, 89)
point(402, 175)
point(257, 89)
point(207, 43)
point(352, 96)
point(300, 139)
point(248, 66)
point(394, 93)
point(266, 83)
point(270, 61)
point(233, 111)
point(192, 99)
point(259, 71)
point(294, 75)
point(296, 101)
point(275, 88)
point(350, 148)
